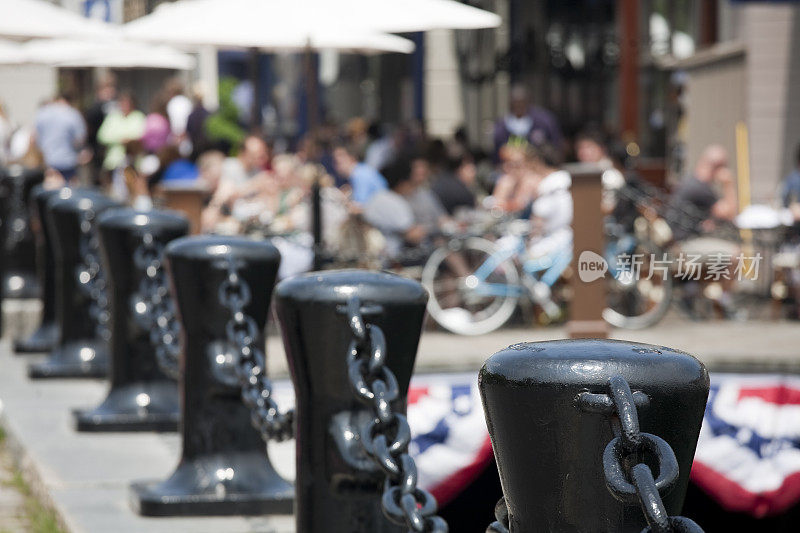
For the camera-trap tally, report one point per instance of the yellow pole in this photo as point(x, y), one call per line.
point(743, 182)
point(743, 165)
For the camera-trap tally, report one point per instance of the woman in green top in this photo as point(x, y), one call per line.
point(119, 127)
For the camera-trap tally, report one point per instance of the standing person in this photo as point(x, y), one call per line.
point(196, 125)
point(60, 134)
point(121, 126)
point(6, 131)
point(790, 199)
point(526, 122)
point(179, 107)
point(790, 189)
point(156, 125)
point(364, 180)
point(104, 103)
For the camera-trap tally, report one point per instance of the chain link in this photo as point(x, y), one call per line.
point(386, 437)
point(501, 514)
point(243, 336)
point(157, 313)
point(628, 478)
point(17, 214)
point(89, 274)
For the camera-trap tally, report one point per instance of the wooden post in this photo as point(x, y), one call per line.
point(588, 297)
point(629, 68)
point(189, 199)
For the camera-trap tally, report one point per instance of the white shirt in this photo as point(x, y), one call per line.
point(392, 215)
point(179, 108)
point(553, 206)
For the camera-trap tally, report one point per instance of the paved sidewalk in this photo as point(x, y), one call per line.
point(12, 502)
point(85, 477)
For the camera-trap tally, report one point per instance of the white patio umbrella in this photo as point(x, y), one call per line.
point(267, 25)
point(105, 53)
point(219, 23)
point(11, 53)
point(26, 19)
point(275, 24)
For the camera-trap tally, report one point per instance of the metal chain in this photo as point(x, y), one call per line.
point(628, 478)
point(242, 333)
point(158, 313)
point(89, 274)
point(501, 514)
point(17, 217)
point(386, 437)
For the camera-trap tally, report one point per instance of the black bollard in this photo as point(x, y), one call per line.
point(18, 244)
point(224, 468)
point(141, 397)
point(338, 487)
point(551, 408)
point(80, 352)
point(45, 338)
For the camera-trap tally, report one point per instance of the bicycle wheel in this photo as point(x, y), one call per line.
point(639, 300)
point(463, 302)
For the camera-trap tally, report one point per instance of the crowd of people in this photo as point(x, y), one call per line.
point(386, 192)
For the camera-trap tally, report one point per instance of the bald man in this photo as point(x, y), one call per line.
point(707, 205)
point(698, 206)
point(524, 121)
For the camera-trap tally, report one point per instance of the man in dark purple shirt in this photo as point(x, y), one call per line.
point(534, 124)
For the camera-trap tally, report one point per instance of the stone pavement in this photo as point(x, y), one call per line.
point(12, 502)
point(85, 477)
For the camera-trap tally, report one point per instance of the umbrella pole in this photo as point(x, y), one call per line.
point(313, 120)
point(312, 103)
point(255, 80)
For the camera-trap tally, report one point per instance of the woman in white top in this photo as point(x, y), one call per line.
point(551, 211)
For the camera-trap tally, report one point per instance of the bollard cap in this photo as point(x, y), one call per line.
point(26, 173)
point(590, 362)
point(337, 286)
point(213, 247)
point(74, 200)
point(42, 194)
point(126, 218)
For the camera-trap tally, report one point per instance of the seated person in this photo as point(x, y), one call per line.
point(515, 189)
point(428, 210)
point(237, 180)
point(696, 210)
point(790, 251)
point(551, 210)
point(390, 211)
point(452, 185)
point(363, 180)
point(173, 167)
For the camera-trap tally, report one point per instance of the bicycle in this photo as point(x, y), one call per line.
point(500, 274)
